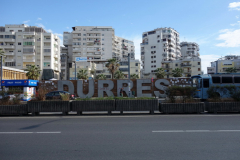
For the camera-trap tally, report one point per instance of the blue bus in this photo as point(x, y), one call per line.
point(204, 82)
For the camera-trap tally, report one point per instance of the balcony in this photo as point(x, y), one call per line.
point(28, 59)
point(47, 60)
point(7, 46)
point(8, 53)
point(187, 71)
point(28, 33)
point(47, 46)
point(47, 54)
point(8, 60)
point(7, 40)
point(47, 39)
point(146, 43)
point(186, 65)
point(28, 40)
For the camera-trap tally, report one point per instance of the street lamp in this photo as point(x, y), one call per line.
point(75, 70)
point(129, 92)
point(1, 70)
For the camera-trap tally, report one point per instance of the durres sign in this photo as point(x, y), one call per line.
point(160, 85)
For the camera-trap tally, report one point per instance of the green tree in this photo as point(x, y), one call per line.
point(160, 73)
point(134, 76)
point(112, 66)
point(82, 74)
point(33, 72)
point(119, 75)
point(177, 72)
point(231, 70)
point(101, 76)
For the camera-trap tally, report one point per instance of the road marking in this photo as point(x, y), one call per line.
point(29, 132)
point(179, 131)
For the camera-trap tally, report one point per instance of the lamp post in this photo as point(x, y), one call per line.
point(129, 92)
point(1, 70)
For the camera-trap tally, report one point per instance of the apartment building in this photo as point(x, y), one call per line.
point(220, 65)
point(29, 45)
point(97, 44)
point(134, 67)
point(159, 45)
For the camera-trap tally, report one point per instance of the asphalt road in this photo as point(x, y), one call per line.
point(178, 137)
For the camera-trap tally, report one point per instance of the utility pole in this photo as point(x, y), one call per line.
point(75, 71)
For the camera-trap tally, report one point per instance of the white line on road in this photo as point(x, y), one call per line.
point(28, 132)
point(179, 131)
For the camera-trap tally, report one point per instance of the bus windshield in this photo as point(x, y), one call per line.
point(195, 81)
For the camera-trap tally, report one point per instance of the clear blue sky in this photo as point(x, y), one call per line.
point(213, 24)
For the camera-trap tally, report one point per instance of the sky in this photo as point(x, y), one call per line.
point(213, 24)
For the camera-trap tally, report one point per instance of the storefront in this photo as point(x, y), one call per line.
point(26, 87)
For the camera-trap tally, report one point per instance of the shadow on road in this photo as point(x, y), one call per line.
point(38, 125)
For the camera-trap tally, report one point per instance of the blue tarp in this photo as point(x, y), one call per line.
point(24, 83)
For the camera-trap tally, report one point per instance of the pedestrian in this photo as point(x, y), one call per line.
point(121, 92)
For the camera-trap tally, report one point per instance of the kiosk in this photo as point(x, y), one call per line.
point(28, 87)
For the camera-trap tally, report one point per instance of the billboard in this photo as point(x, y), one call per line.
point(80, 59)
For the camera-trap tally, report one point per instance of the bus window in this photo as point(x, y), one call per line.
point(200, 83)
point(194, 82)
point(236, 79)
point(216, 79)
point(227, 80)
point(205, 83)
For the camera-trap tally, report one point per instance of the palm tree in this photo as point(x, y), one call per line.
point(231, 70)
point(160, 73)
point(82, 74)
point(101, 76)
point(1, 53)
point(134, 76)
point(177, 72)
point(119, 75)
point(112, 66)
point(33, 72)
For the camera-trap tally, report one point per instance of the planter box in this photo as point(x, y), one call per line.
point(222, 107)
point(48, 106)
point(182, 107)
point(93, 105)
point(137, 105)
point(13, 109)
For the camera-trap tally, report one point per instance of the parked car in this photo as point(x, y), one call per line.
point(11, 96)
point(56, 95)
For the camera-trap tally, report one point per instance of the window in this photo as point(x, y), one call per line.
point(176, 64)
point(84, 39)
point(199, 63)
point(19, 51)
point(136, 70)
point(79, 34)
point(236, 79)
point(205, 83)
point(19, 43)
point(154, 57)
point(136, 64)
point(216, 79)
point(199, 69)
point(102, 39)
point(102, 34)
point(158, 41)
point(19, 30)
point(47, 50)
point(227, 80)
point(84, 34)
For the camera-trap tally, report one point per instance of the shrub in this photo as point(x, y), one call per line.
point(65, 96)
point(6, 100)
point(185, 93)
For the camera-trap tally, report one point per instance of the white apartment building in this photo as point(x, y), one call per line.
point(98, 44)
point(220, 65)
point(159, 45)
point(190, 60)
point(29, 45)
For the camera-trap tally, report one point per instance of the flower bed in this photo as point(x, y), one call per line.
point(48, 106)
point(182, 107)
